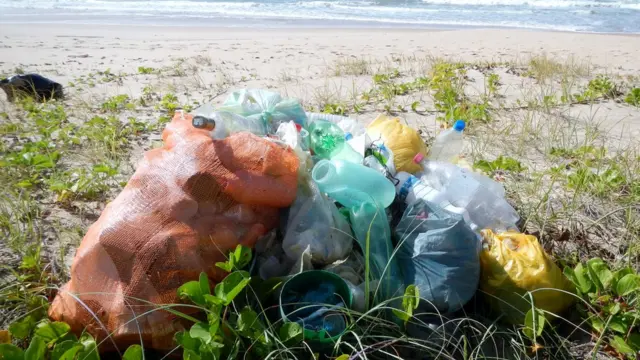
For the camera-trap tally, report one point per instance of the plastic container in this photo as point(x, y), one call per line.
point(352, 184)
point(410, 189)
point(223, 123)
point(347, 125)
point(481, 198)
point(327, 140)
point(317, 297)
point(372, 231)
point(448, 144)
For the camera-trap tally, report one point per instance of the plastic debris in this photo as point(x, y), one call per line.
point(186, 206)
point(439, 254)
point(514, 264)
point(401, 139)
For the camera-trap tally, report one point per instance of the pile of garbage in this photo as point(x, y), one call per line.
point(350, 214)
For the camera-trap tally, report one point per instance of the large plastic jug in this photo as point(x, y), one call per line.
point(352, 184)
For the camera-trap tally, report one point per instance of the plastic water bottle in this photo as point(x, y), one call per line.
point(448, 144)
point(410, 188)
point(328, 141)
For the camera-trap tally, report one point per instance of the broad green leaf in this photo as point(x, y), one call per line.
point(410, 301)
point(597, 324)
point(71, 353)
point(621, 346)
point(241, 256)
point(619, 274)
point(411, 297)
point(186, 341)
point(204, 284)
point(291, 333)
point(583, 283)
point(134, 352)
point(628, 284)
point(248, 322)
point(226, 266)
point(613, 308)
point(192, 291)
point(89, 349)
point(11, 352)
point(616, 324)
point(22, 328)
point(231, 286)
point(52, 331)
point(190, 355)
point(343, 357)
point(533, 323)
point(211, 300)
point(600, 273)
point(634, 341)
point(200, 331)
point(36, 349)
point(63, 347)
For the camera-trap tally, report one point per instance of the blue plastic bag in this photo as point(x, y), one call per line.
point(439, 254)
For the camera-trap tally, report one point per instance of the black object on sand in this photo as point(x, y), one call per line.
point(34, 85)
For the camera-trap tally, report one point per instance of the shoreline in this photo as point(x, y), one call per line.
point(310, 28)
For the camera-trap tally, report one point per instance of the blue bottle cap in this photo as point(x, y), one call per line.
point(459, 125)
point(348, 136)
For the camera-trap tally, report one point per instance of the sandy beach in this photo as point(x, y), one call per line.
point(303, 63)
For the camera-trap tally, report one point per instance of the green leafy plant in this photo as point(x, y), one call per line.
point(633, 98)
point(227, 333)
point(504, 163)
point(492, 82)
point(145, 70)
point(117, 103)
point(410, 302)
point(610, 303)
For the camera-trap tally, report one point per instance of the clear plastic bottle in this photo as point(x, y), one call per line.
point(448, 144)
point(224, 123)
point(352, 184)
point(327, 141)
point(482, 198)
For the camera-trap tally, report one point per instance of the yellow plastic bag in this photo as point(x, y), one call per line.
point(403, 141)
point(514, 263)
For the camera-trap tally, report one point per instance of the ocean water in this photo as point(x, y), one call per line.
point(607, 16)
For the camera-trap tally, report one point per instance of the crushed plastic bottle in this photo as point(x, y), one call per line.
point(448, 144)
point(411, 189)
point(352, 184)
point(481, 198)
point(328, 141)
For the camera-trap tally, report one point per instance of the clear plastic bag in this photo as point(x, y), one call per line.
point(258, 111)
point(268, 106)
point(439, 254)
point(315, 223)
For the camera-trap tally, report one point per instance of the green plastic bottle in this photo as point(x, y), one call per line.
point(328, 142)
point(352, 184)
point(371, 229)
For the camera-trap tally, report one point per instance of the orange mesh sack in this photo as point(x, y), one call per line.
point(186, 206)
